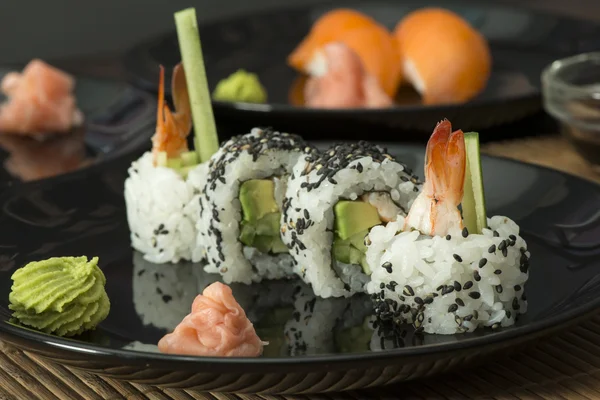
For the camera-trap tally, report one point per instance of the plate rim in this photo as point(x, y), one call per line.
point(507, 335)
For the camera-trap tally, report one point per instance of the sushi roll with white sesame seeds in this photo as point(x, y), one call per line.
point(239, 226)
point(332, 201)
point(163, 186)
point(441, 271)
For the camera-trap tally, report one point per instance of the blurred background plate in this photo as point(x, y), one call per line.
point(522, 43)
point(118, 119)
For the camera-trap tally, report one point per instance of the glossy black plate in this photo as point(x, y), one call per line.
point(119, 118)
point(522, 43)
point(84, 213)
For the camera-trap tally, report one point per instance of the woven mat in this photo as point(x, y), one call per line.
point(563, 367)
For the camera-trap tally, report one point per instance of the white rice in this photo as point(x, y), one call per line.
point(432, 283)
point(257, 155)
point(308, 217)
point(162, 210)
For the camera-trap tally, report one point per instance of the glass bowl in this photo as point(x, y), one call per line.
point(571, 94)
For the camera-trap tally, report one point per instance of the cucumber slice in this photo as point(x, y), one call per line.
point(189, 158)
point(161, 159)
point(473, 202)
point(174, 163)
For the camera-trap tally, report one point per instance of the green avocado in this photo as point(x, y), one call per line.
point(352, 217)
point(256, 196)
point(356, 338)
point(260, 227)
point(352, 250)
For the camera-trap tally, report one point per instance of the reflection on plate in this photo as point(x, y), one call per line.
point(315, 344)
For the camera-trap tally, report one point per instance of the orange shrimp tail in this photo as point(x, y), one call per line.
point(446, 162)
point(172, 129)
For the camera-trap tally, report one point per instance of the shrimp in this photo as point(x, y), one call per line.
point(172, 129)
point(435, 211)
point(339, 80)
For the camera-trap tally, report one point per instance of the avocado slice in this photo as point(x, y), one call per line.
point(261, 217)
point(257, 199)
point(356, 338)
point(352, 217)
point(189, 158)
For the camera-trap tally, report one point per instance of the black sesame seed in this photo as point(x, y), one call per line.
point(492, 249)
point(505, 252)
point(419, 301)
point(512, 237)
point(496, 234)
point(502, 245)
point(408, 291)
point(465, 232)
point(460, 302)
point(448, 237)
point(381, 285)
point(306, 214)
point(474, 295)
point(515, 304)
point(468, 285)
point(499, 288)
point(452, 308)
point(457, 286)
point(457, 257)
point(387, 266)
point(482, 262)
point(439, 288)
point(498, 272)
point(508, 314)
point(447, 289)
point(468, 317)
point(523, 297)
point(428, 299)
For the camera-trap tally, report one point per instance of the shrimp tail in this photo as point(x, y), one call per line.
point(446, 161)
point(181, 100)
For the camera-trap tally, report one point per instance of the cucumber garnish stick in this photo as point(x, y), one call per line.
point(473, 203)
point(206, 140)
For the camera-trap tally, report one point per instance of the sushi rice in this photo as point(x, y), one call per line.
point(450, 284)
point(162, 209)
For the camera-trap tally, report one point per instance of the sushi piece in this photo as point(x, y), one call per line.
point(429, 270)
point(345, 83)
point(328, 28)
point(216, 327)
point(163, 186)
point(241, 206)
point(40, 101)
point(444, 58)
point(367, 41)
point(331, 202)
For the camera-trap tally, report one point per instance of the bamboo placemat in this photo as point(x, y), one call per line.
point(566, 366)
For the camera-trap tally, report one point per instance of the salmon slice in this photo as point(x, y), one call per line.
point(443, 57)
point(329, 27)
point(340, 81)
point(40, 101)
point(216, 327)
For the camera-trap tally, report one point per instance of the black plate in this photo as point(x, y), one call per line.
point(522, 43)
point(84, 213)
point(119, 118)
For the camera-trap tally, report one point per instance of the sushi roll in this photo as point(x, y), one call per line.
point(441, 271)
point(239, 224)
point(332, 201)
point(163, 187)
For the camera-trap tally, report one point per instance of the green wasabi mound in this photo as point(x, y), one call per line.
point(240, 86)
point(64, 296)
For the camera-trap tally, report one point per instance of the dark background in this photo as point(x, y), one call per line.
point(53, 29)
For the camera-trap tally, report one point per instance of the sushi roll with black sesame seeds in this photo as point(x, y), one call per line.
point(163, 186)
point(332, 201)
point(239, 225)
point(441, 271)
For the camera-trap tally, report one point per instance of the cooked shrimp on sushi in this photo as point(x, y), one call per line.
point(442, 271)
point(40, 101)
point(161, 192)
point(443, 57)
